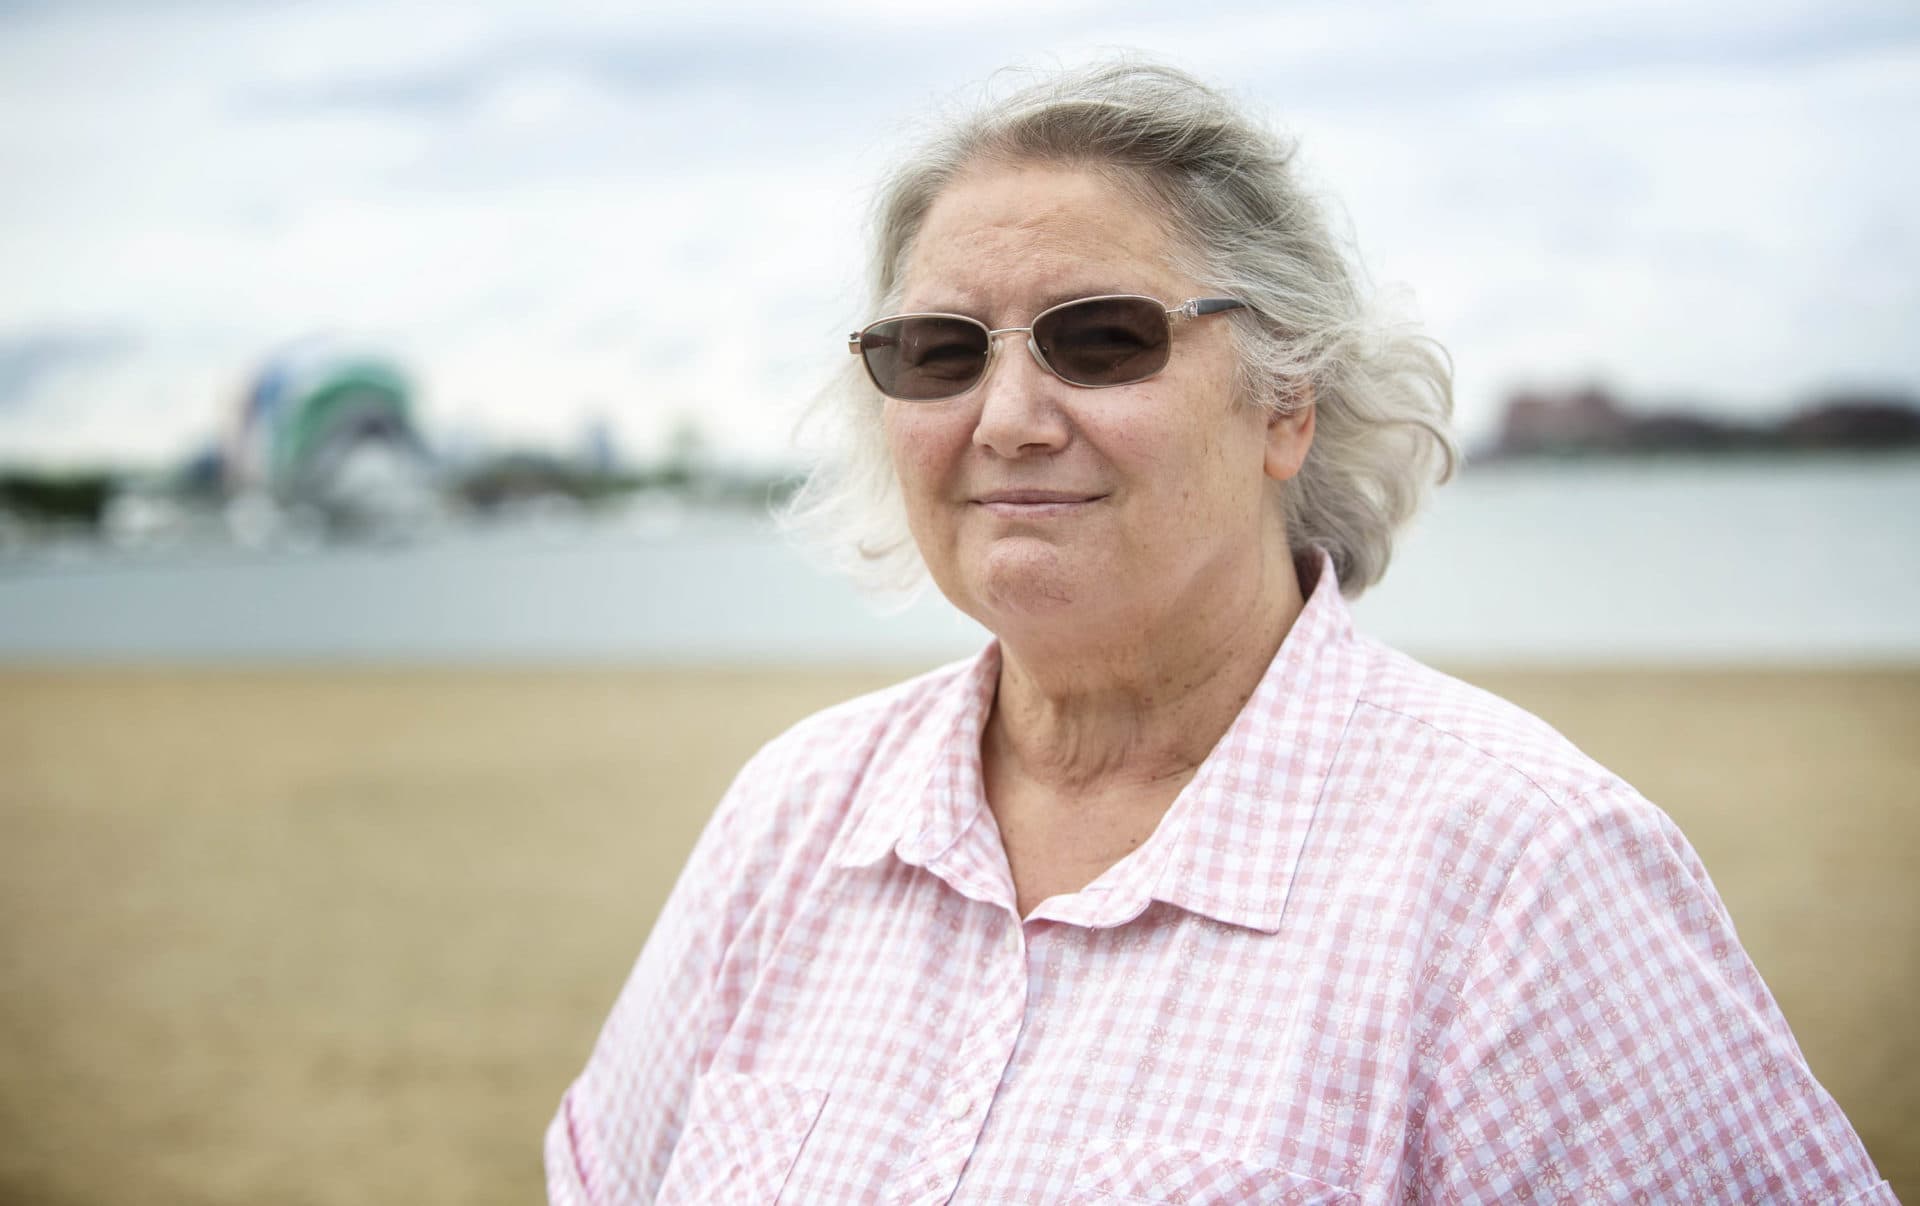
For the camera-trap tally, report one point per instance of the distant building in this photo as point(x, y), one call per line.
point(1539, 422)
point(599, 451)
point(1590, 421)
point(1855, 421)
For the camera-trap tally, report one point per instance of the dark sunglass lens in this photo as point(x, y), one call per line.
point(1105, 341)
point(921, 359)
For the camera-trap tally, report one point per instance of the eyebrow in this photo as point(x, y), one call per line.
point(1047, 302)
point(1053, 299)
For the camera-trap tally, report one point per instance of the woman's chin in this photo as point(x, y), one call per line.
point(1021, 583)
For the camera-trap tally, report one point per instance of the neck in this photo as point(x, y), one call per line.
point(1148, 706)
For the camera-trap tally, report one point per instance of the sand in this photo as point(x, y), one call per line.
point(344, 936)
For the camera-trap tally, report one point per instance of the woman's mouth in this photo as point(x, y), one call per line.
point(1036, 504)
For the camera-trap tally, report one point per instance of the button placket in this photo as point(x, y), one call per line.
point(980, 1061)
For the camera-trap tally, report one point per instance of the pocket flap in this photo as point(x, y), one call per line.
point(742, 1136)
point(1125, 1172)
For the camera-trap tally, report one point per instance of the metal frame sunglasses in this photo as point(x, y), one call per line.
point(1092, 342)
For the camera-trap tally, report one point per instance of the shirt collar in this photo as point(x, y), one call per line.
point(1228, 846)
point(924, 790)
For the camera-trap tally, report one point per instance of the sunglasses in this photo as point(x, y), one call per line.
point(1094, 342)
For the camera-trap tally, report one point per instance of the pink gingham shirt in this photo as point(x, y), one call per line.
point(1396, 941)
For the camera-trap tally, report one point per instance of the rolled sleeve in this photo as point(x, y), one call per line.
point(565, 1184)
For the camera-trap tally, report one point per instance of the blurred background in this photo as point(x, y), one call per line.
point(392, 397)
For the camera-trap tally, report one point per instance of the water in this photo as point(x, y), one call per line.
point(1668, 561)
point(1698, 561)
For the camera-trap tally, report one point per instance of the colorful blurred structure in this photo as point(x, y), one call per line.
point(331, 430)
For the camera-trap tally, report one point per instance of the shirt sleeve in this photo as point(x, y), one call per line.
point(1614, 1043)
point(619, 1121)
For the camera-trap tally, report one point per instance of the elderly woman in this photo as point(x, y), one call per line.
point(1182, 890)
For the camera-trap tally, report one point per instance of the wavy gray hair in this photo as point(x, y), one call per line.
point(1244, 227)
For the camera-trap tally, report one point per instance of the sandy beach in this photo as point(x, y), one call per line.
point(343, 936)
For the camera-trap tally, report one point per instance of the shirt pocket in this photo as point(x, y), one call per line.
point(1171, 1176)
point(742, 1136)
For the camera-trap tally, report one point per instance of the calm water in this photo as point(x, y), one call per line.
point(1808, 561)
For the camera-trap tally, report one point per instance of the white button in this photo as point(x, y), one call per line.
point(957, 1106)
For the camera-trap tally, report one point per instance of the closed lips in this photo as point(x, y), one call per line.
point(1037, 497)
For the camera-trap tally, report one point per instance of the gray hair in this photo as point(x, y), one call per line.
point(1244, 227)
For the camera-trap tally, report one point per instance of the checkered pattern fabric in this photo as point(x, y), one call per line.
point(1396, 941)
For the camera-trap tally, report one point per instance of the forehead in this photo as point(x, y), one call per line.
point(1028, 236)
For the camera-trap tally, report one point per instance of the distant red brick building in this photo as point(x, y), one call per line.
point(1550, 422)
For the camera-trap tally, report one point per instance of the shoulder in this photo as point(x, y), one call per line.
point(1471, 736)
point(1447, 771)
point(1515, 811)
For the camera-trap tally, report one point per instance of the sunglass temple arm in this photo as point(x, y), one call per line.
point(1197, 307)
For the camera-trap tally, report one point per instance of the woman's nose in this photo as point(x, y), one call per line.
point(1019, 412)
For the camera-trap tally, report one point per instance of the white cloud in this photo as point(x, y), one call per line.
point(564, 210)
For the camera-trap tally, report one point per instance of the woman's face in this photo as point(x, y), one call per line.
point(1048, 509)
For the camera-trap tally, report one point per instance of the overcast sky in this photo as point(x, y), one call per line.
point(561, 210)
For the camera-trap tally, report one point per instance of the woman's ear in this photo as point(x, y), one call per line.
point(1290, 434)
